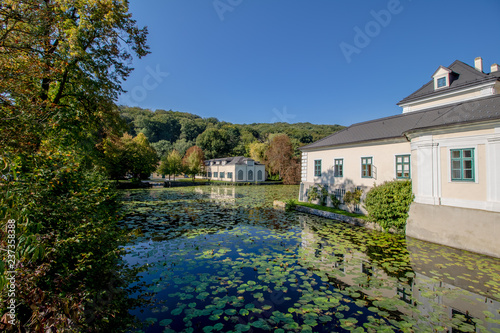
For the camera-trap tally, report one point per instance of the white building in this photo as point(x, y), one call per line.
point(447, 140)
point(235, 169)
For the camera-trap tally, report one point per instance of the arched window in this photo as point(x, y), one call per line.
point(250, 175)
point(240, 175)
point(259, 175)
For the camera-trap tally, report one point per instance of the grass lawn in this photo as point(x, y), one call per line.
point(332, 210)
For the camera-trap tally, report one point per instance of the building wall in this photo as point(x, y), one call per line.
point(254, 168)
point(431, 165)
point(221, 168)
point(235, 169)
point(463, 228)
point(383, 155)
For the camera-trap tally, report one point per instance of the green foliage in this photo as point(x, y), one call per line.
point(129, 156)
point(69, 271)
point(313, 194)
point(352, 198)
point(159, 127)
point(194, 161)
point(290, 205)
point(162, 147)
point(62, 64)
point(318, 192)
point(216, 138)
point(388, 204)
point(335, 201)
point(171, 164)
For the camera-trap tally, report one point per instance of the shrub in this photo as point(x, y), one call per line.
point(290, 205)
point(335, 201)
point(313, 194)
point(318, 192)
point(324, 195)
point(352, 198)
point(388, 204)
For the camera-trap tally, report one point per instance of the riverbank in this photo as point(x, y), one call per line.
point(333, 214)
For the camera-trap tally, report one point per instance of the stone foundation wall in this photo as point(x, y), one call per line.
point(462, 228)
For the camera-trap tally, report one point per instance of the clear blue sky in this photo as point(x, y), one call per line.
point(247, 61)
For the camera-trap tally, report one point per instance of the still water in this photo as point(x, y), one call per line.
point(221, 259)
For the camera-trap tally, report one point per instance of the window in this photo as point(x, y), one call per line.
point(209, 175)
point(317, 168)
point(366, 167)
point(250, 175)
point(216, 174)
point(240, 175)
point(230, 175)
point(441, 82)
point(250, 162)
point(338, 170)
point(462, 164)
point(259, 175)
point(403, 166)
point(222, 174)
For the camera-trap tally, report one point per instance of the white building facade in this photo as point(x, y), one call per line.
point(447, 141)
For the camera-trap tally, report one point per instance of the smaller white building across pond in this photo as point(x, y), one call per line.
point(235, 169)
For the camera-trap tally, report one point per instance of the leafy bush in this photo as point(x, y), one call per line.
point(388, 204)
point(70, 276)
point(290, 205)
point(324, 195)
point(318, 192)
point(313, 194)
point(352, 198)
point(335, 201)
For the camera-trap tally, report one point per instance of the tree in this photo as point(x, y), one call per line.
point(213, 142)
point(191, 129)
point(61, 68)
point(182, 146)
point(171, 164)
point(194, 161)
point(162, 147)
point(144, 158)
point(279, 154)
point(129, 155)
point(258, 151)
point(159, 127)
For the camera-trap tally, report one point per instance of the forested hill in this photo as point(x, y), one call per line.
point(167, 130)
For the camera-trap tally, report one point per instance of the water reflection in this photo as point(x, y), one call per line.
point(222, 259)
point(444, 287)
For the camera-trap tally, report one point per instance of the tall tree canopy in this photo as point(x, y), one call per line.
point(61, 66)
point(281, 159)
point(194, 161)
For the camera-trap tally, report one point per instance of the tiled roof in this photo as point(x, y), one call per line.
point(462, 76)
point(237, 160)
point(487, 108)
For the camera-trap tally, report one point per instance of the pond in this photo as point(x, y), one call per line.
point(222, 259)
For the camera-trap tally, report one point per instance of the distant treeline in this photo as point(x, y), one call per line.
point(169, 130)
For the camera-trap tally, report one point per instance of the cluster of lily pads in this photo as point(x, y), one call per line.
point(224, 260)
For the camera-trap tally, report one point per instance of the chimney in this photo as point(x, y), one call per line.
point(478, 63)
point(494, 68)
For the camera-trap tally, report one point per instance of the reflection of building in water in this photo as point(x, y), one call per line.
point(225, 195)
point(460, 292)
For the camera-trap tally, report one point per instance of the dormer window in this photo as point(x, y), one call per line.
point(250, 163)
point(441, 82)
point(441, 78)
